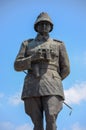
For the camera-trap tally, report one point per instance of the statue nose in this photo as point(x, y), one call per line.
point(44, 25)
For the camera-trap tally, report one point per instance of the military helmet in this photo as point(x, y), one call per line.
point(43, 17)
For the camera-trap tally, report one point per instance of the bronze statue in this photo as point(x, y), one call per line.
point(47, 64)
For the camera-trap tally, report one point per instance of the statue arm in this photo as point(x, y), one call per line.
point(63, 62)
point(21, 62)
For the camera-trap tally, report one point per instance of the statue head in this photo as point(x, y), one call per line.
point(43, 17)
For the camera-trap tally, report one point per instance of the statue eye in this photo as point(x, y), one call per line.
point(43, 23)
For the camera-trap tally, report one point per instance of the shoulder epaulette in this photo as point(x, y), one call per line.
point(26, 42)
point(57, 40)
point(29, 40)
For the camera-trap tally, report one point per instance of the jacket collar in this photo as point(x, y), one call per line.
point(40, 37)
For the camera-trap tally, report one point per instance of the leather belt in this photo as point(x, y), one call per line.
point(52, 67)
point(44, 65)
point(38, 69)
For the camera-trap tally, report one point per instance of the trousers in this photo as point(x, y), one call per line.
point(36, 107)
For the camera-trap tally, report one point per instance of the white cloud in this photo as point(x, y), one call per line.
point(76, 93)
point(27, 126)
point(12, 100)
point(6, 126)
point(24, 127)
point(10, 126)
point(76, 126)
point(15, 99)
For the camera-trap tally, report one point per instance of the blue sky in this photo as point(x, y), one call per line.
point(17, 18)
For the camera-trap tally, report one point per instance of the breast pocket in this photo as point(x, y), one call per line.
point(54, 55)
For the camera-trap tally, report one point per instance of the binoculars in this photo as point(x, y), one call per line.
point(44, 54)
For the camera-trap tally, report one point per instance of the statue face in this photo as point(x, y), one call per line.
point(43, 27)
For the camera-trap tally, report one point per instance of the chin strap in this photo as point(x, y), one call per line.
point(25, 72)
point(69, 108)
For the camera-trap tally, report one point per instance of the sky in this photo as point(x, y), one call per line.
point(17, 19)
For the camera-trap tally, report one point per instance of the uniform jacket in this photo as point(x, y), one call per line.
point(51, 72)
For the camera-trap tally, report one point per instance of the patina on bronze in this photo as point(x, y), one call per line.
point(47, 64)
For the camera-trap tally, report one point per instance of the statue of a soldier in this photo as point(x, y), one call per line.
point(47, 64)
